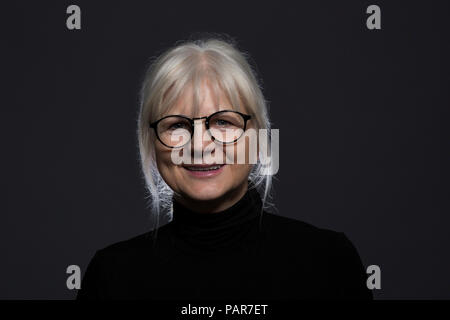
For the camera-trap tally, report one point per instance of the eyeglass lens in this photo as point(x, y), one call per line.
point(225, 127)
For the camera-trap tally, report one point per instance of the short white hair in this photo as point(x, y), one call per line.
point(187, 64)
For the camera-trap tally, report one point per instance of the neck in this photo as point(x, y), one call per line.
point(216, 205)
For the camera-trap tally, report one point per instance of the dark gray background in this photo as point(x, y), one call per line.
point(362, 117)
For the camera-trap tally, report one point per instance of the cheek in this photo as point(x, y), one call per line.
point(239, 172)
point(245, 151)
point(165, 165)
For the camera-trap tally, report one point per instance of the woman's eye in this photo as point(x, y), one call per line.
point(178, 125)
point(222, 122)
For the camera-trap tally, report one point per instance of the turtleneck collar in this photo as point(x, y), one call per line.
point(229, 229)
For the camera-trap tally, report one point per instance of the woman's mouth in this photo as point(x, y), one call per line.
point(203, 170)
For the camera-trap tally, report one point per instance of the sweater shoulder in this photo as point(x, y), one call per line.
point(323, 251)
point(284, 226)
point(297, 235)
point(133, 245)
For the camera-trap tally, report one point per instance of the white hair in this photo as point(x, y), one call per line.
point(167, 77)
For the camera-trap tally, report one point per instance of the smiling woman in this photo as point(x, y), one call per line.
point(220, 242)
point(196, 81)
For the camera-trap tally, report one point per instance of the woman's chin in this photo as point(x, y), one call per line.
point(204, 193)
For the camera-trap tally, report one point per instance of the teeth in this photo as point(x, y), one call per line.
point(204, 168)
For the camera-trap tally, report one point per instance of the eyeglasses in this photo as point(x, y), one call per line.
point(225, 126)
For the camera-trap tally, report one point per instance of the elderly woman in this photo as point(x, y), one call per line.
point(200, 98)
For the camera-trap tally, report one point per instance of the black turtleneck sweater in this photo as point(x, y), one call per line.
point(234, 254)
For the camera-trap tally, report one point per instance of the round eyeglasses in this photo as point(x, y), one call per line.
point(225, 126)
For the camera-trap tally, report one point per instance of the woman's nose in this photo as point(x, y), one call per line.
point(201, 137)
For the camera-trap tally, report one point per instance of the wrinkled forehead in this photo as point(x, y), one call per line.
point(201, 100)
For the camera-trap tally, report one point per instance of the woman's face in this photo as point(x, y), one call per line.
point(213, 190)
